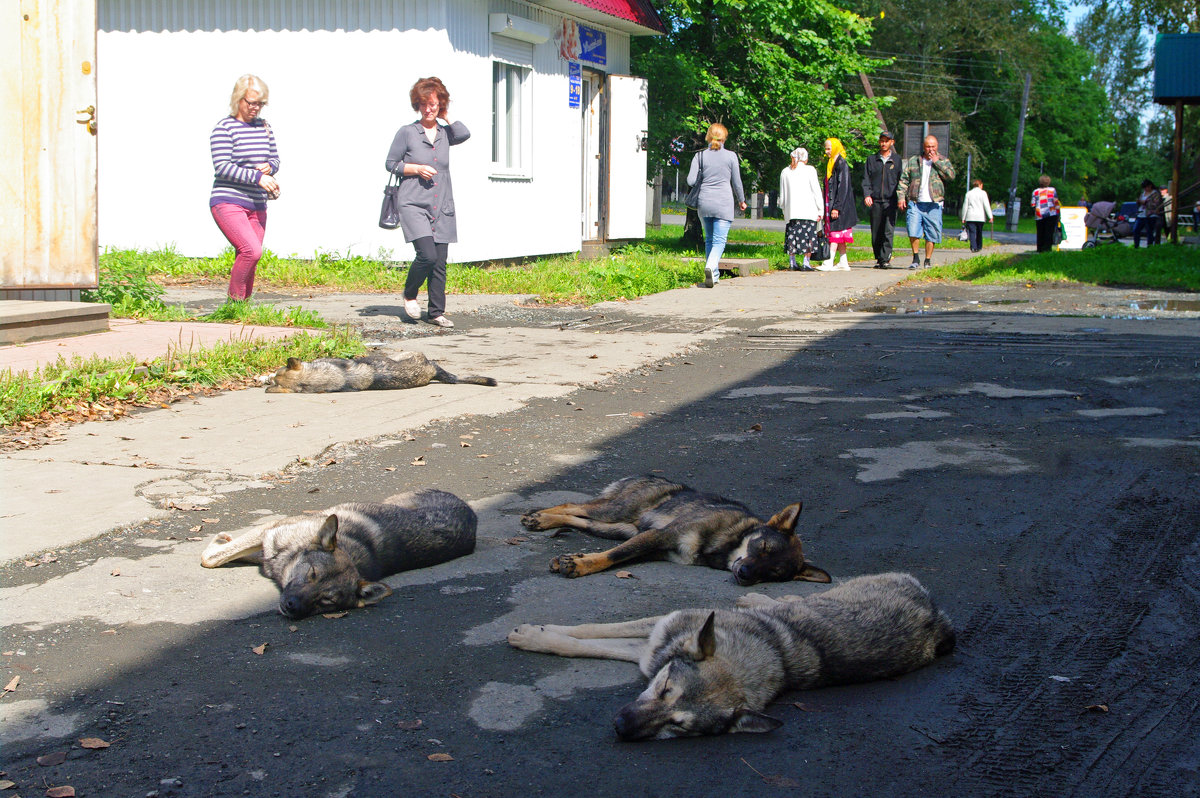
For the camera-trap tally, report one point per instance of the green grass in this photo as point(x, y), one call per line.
point(1164, 267)
point(82, 388)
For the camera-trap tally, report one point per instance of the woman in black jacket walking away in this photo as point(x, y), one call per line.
point(839, 206)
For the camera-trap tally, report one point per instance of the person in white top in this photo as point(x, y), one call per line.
point(803, 206)
point(977, 209)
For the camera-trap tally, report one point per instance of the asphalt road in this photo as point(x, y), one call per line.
point(1042, 486)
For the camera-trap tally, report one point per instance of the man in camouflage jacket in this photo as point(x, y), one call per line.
point(922, 190)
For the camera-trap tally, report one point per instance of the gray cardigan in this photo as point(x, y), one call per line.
point(426, 206)
point(721, 172)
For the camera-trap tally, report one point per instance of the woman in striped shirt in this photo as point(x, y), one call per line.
point(245, 162)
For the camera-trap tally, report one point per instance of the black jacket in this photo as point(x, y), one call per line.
point(879, 180)
point(839, 196)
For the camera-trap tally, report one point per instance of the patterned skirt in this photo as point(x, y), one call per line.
point(801, 236)
point(841, 236)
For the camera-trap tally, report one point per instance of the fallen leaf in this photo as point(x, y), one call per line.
point(420, 461)
point(211, 520)
point(93, 743)
point(314, 490)
point(109, 632)
point(755, 428)
point(259, 649)
point(7, 785)
point(390, 468)
point(593, 357)
point(637, 414)
point(115, 572)
point(624, 575)
point(329, 462)
point(196, 538)
point(11, 687)
point(61, 792)
point(333, 616)
point(516, 540)
point(483, 455)
point(440, 758)
point(50, 760)
point(409, 725)
point(1097, 707)
point(464, 444)
point(31, 563)
point(196, 528)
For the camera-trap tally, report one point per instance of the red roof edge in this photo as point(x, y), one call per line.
point(636, 11)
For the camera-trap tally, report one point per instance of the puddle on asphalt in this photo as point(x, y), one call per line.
point(1002, 302)
point(916, 306)
point(1166, 304)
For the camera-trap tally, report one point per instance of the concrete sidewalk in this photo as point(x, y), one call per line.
point(101, 476)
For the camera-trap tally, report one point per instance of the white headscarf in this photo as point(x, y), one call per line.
point(800, 154)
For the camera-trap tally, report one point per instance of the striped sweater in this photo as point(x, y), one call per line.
point(236, 149)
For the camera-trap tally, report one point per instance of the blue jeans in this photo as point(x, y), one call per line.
point(924, 220)
point(716, 231)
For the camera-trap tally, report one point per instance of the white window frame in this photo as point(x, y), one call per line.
point(512, 118)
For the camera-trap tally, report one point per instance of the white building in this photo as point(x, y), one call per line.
point(556, 161)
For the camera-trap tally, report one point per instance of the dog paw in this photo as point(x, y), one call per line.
point(525, 637)
point(749, 600)
point(533, 521)
point(567, 565)
point(222, 537)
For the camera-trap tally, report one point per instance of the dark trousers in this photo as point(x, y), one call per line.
point(430, 264)
point(883, 225)
point(1149, 224)
point(974, 235)
point(1045, 232)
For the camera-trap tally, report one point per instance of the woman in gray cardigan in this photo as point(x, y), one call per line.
point(720, 186)
point(420, 154)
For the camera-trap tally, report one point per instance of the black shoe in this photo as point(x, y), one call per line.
point(928, 263)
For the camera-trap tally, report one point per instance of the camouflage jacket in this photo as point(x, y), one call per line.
point(909, 186)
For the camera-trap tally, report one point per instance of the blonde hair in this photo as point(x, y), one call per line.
point(716, 136)
point(245, 84)
point(1044, 181)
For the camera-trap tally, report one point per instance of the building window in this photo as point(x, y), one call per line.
point(511, 119)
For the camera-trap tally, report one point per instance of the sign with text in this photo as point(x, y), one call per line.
point(1076, 233)
point(593, 46)
point(574, 84)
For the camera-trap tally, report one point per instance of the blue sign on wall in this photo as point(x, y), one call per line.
point(575, 84)
point(593, 46)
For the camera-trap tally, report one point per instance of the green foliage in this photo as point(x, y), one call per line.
point(774, 72)
point(125, 282)
point(246, 312)
point(1162, 267)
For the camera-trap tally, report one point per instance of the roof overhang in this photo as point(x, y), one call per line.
point(635, 17)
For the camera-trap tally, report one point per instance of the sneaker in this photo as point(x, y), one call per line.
point(916, 264)
point(710, 278)
point(825, 266)
point(928, 263)
point(842, 266)
point(441, 321)
point(412, 308)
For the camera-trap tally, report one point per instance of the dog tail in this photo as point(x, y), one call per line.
point(444, 376)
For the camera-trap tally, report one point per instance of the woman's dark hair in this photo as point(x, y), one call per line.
point(425, 87)
point(977, 183)
point(1148, 183)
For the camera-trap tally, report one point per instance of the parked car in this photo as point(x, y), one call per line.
point(1127, 212)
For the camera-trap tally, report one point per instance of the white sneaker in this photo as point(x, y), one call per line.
point(441, 321)
point(412, 308)
point(842, 265)
point(826, 266)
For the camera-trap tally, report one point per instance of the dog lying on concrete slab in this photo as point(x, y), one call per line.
point(373, 372)
point(714, 671)
point(333, 561)
point(661, 519)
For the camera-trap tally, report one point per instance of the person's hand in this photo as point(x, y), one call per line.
point(833, 214)
point(742, 205)
point(269, 185)
point(868, 202)
point(265, 168)
point(901, 203)
point(424, 171)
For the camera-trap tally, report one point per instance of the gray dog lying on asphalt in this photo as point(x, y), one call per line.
point(374, 372)
point(332, 561)
point(713, 671)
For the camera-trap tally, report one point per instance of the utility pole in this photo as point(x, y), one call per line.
point(1014, 206)
point(871, 95)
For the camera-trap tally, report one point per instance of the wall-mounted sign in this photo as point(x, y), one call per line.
point(574, 84)
point(580, 43)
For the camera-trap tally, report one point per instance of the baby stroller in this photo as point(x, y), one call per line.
point(1104, 225)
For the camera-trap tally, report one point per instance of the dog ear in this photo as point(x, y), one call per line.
point(706, 639)
point(372, 592)
point(785, 520)
point(747, 720)
point(327, 534)
point(811, 573)
point(295, 364)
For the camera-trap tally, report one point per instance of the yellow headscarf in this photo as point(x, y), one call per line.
point(835, 149)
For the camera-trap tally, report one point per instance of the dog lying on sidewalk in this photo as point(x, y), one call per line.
point(374, 372)
point(661, 519)
point(714, 671)
point(333, 561)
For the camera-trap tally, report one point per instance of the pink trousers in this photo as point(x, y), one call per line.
point(245, 229)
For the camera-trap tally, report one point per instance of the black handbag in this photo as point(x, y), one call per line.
point(821, 251)
point(692, 200)
point(389, 213)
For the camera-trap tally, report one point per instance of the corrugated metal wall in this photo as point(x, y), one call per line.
point(139, 16)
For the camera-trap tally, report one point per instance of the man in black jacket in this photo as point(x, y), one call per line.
point(879, 195)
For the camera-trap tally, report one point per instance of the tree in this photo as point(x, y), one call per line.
point(774, 72)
